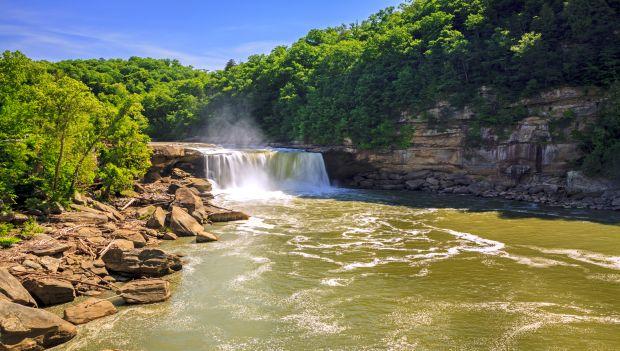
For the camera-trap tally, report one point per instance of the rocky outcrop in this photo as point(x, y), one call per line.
point(141, 262)
point(146, 291)
point(167, 156)
point(11, 289)
point(31, 329)
point(89, 310)
point(530, 162)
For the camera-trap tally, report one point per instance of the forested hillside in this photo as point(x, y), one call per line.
point(355, 82)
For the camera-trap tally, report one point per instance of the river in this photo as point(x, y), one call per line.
point(321, 268)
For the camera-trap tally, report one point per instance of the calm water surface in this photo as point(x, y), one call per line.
point(362, 270)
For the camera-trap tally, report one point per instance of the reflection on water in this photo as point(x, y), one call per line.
point(363, 270)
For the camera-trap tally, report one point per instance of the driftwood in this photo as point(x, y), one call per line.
point(128, 204)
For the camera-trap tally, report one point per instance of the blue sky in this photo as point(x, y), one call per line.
point(204, 34)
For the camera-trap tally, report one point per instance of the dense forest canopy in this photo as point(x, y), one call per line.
point(76, 122)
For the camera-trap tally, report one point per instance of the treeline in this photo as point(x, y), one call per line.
point(57, 136)
point(78, 122)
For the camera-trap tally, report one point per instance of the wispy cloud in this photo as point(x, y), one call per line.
point(40, 40)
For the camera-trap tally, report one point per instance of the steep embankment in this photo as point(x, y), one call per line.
point(530, 161)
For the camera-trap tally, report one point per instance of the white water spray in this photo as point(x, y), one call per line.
point(265, 170)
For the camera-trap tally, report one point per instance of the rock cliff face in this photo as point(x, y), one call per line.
point(531, 162)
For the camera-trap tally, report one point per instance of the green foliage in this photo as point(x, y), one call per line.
point(31, 228)
point(601, 140)
point(55, 134)
point(6, 236)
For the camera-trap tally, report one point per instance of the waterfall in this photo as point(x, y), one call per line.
point(265, 170)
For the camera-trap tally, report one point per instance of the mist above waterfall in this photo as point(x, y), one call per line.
point(233, 126)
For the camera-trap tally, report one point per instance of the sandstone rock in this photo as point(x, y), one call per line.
point(122, 244)
point(108, 209)
point(135, 237)
point(31, 329)
point(178, 173)
point(182, 224)
point(158, 219)
point(49, 291)
point(432, 181)
point(185, 198)
point(89, 310)
point(227, 216)
point(169, 236)
point(32, 265)
point(146, 291)
point(206, 237)
point(12, 289)
point(82, 218)
point(45, 245)
point(13, 217)
point(145, 212)
point(140, 262)
point(200, 184)
point(79, 199)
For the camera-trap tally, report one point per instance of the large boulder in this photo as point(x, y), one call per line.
point(135, 237)
point(158, 219)
point(49, 291)
point(206, 237)
point(202, 185)
point(182, 224)
point(89, 310)
point(140, 262)
point(13, 290)
point(25, 328)
point(113, 213)
point(146, 291)
point(185, 198)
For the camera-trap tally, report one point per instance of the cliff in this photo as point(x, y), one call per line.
point(532, 160)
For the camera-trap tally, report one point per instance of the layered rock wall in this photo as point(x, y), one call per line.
point(532, 161)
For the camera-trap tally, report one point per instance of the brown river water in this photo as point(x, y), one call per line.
point(320, 268)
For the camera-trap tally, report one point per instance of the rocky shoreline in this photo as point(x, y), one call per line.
point(574, 191)
point(101, 254)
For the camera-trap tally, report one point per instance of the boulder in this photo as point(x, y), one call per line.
point(146, 291)
point(202, 185)
point(31, 329)
point(89, 310)
point(140, 262)
point(135, 237)
point(109, 210)
point(45, 245)
point(178, 173)
point(167, 235)
point(49, 291)
point(145, 212)
point(185, 198)
point(13, 290)
point(157, 220)
point(227, 216)
point(122, 244)
point(206, 237)
point(182, 224)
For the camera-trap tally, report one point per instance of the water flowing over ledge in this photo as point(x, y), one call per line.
point(260, 170)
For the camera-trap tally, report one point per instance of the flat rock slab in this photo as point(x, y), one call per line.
point(49, 291)
point(25, 328)
point(146, 291)
point(206, 237)
point(89, 310)
point(13, 290)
